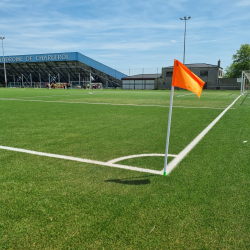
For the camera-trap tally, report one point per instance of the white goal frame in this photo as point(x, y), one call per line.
point(245, 81)
point(95, 85)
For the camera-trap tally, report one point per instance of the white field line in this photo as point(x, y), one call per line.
point(103, 103)
point(110, 92)
point(51, 96)
point(186, 95)
point(60, 95)
point(191, 145)
point(82, 160)
point(196, 107)
point(135, 156)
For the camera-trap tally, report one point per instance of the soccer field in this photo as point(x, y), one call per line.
point(90, 172)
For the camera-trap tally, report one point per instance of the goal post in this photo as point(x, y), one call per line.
point(85, 85)
point(245, 81)
point(96, 85)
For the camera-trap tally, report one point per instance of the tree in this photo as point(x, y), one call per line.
point(241, 61)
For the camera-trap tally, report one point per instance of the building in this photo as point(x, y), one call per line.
point(72, 67)
point(209, 73)
point(141, 81)
point(40, 69)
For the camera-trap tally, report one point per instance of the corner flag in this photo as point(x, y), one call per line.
point(183, 78)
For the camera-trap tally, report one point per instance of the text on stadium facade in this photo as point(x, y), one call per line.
point(34, 58)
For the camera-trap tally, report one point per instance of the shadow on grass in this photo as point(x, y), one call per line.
point(131, 181)
point(244, 99)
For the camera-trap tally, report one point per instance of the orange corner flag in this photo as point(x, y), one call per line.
point(184, 78)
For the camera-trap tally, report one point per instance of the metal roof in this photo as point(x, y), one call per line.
point(142, 76)
point(71, 65)
point(197, 65)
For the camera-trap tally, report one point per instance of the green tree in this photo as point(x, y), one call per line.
point(241, 61)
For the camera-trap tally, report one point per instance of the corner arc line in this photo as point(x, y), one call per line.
point(135, 156)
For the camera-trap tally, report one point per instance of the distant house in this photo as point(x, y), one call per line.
point(141, 81)
point(209, 73)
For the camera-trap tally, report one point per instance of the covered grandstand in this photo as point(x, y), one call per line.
point(39, 70)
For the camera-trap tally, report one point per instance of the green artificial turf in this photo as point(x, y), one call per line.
point(48, 203)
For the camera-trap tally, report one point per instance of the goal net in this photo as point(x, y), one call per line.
point(95, 85)
point(14, 84)
point(85, 85)
point(75, 85)
point(245, 81)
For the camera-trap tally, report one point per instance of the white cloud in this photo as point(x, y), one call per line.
point(243, 3)
point(8, 5)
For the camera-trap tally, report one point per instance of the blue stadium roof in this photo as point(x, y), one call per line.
point(69, 56)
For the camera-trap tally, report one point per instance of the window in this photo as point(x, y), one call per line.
point(169, 73)
point(204, 73)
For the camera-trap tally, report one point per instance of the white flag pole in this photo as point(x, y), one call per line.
point(168, 133)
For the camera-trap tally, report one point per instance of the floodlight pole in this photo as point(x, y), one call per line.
point(185, 19)
point(5, 78)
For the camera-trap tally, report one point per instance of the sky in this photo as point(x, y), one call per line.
point(127, 35)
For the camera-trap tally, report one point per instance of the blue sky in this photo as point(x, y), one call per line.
point(127, 34)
